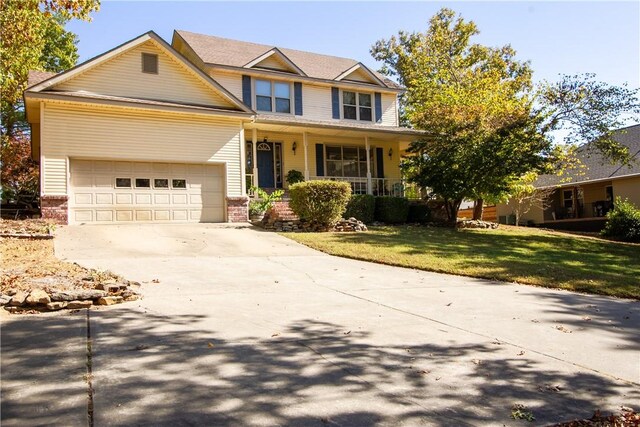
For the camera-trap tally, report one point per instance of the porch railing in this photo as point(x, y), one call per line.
point(379, 186)
point(596, 209)
point(250, 182)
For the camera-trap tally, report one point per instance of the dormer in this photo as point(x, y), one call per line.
point(359, 73)
point(275, 60)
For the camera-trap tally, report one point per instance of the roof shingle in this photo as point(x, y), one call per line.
point(596, 166)
point(235, 53)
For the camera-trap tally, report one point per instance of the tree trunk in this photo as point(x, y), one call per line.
point(453, 208)
point(478, 208)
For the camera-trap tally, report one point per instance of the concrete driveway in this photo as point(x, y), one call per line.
point(249, 328)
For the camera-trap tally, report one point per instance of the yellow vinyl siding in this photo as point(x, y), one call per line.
point(231, 82)
point(274, 63)
point(123, 76)
point(77, 131)
point(628, 188)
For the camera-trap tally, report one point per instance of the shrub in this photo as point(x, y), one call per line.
point(263, 201)
point(321, 202)
point(392, 210)
point(623, 222)
point(294, 176)
point(419, 212)
point(362, 207)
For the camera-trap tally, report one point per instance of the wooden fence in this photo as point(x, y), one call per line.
point(489, 214)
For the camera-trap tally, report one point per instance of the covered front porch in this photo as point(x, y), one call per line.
point(368, 159)
point(580, 207)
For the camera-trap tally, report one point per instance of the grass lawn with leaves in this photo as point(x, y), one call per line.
point(513, 254)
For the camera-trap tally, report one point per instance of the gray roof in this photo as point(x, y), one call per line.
point(36, 77)
point(235, 53)
point(595, 166)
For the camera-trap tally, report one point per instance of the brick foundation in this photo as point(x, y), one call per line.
point(237, 209)
point(55, 208)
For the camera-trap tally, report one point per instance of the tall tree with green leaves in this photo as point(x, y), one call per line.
point(33, 37)
point(472, 100)
point(488, 124)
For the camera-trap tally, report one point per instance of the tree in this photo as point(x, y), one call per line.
point(524, 195)
point(589, 111)
point(33, 37)
point(20, 174)
point(474, 102)
point(488, 124)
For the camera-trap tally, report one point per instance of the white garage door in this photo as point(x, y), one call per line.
point(106, 191)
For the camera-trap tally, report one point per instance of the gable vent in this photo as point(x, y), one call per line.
point(149, 63)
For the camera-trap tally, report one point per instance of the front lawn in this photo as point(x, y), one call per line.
point(513, 254)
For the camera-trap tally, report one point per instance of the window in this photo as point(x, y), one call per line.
point(178, 183)
point(160, 183)
point(123, 182)
point(608, 190)
point(143, 183)
point(347, 161)
point(149, 63)
point(567, 199)
point(357, 106)
point(273, 96)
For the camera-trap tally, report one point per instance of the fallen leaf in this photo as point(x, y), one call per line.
point(438, 378)
point(587, 318)
point(449, 304)
point(563, 329)
point(347, 333)
point(521, 353)
point(155, 281)
point(275, 335)
point(424, 372)
point(476, 361)
point(535, 320)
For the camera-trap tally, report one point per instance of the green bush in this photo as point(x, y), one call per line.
point(419, 212)
point(321, 202)
point(623, 222)
point(392, 210)
point(361, 207)
point(263, 201)
point(294, 176)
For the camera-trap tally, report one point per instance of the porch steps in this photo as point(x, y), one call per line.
point(282, 212)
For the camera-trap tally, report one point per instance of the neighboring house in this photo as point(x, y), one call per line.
point(155, 132)
point(583, 196)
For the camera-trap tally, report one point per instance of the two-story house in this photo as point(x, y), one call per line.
point(155, 132)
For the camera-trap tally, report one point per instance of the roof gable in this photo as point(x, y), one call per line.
point(275, 60)
point(361, 74)
point(119, 73)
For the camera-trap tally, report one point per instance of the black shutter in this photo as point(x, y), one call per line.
point(297, 97)
point(246, 90)
point(380, 161)
point(319, 159)
point(335, 102)
point(378, 103)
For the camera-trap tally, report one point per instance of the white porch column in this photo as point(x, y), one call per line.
point(305, 142)
point(369, 184)
point(243, 161)
point(254, 140)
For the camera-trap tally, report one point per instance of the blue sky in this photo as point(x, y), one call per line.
point(557, 37)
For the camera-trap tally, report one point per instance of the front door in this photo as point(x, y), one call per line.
point(265, 165)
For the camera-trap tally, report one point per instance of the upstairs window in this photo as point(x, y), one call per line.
point(273, 96)
point(149, 63)
point(356, 106)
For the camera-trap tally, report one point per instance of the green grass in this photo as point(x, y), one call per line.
point(513, 254)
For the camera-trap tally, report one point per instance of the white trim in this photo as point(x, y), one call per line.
point(42, 159)
point(243, 162)
point(254, 94)
point(367, 71)
point(305, 141)
point(368, 149)
point(357, 93)
point(282, 57)
point(593, 181)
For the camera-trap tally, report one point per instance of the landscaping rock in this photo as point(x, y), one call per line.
point(73, 305)
point(110, 300)
point(57, 305)
point(38, 296)
point(108, 287)
point(4, 299)
point(471, 223)
point(81, 294)
point(18, 299)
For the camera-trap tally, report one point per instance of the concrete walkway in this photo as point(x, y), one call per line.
point(250, 328)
